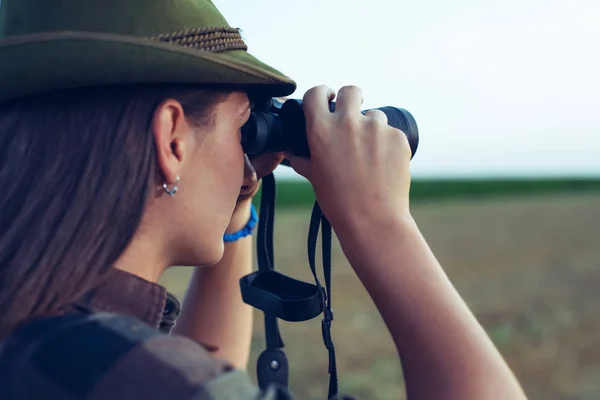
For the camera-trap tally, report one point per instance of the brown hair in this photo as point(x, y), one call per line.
point(76, 171)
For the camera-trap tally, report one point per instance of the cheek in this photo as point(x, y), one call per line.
point(231, 165)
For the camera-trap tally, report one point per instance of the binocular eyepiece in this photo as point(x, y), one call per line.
point(281, 126)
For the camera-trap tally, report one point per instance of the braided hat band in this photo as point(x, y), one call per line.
point(211, 39)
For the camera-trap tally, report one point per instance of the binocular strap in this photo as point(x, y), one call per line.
point(282, 297)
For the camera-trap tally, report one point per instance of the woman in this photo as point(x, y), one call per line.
point(121, 156)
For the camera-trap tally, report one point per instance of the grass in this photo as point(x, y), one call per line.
point(292, 194)
point(528, 266)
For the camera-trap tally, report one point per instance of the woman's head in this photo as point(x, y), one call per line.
point(83, 173)
point(199, 151)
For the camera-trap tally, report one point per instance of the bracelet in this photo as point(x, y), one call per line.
point(246, 230)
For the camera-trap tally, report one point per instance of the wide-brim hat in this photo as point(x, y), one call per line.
point(50, 45)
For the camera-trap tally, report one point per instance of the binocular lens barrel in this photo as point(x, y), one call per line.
point(285, 129)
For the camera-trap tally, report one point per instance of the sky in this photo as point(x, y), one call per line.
point(498, 88)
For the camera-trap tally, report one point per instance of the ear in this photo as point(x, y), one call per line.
point(171, 133)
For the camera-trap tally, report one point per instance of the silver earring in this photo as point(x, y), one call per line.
point(171, 192)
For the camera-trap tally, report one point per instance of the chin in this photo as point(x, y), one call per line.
point(205, 256)
point(215, 255)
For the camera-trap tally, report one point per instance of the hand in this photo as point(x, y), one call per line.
point(254, 171)
point(359, 165)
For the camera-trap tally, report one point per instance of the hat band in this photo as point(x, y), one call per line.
point(212, 39)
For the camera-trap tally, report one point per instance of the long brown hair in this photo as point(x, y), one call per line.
point(76, 172)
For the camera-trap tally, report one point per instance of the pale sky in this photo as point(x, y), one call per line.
point(497, 87)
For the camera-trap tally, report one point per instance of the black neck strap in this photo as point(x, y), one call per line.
point(282, 297)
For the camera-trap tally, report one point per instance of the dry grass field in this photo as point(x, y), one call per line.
point(529, 267)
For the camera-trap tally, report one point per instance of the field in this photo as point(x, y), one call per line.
point(526, 261)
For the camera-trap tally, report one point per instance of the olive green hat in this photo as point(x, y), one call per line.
point(48, 45)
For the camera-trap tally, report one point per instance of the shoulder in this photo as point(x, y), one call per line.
point(118, 357)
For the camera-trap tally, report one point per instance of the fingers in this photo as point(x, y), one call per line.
point(377, 115)
point(266, 163)
point(299, 164)
point(320, 121)
point(349, 100)
point(255, 170)
point(317, 102)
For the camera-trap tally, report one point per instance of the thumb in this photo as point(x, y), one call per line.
point(300, 164)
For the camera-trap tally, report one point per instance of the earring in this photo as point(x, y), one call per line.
point(171, 192)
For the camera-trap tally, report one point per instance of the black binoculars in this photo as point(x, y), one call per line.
point(281, 126)
point(276, 126)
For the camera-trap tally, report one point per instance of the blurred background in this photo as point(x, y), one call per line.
point(506, 180)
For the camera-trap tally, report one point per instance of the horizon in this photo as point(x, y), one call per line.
point(494, 92)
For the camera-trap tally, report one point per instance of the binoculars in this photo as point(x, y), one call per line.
point(281, 126)
point(276, 126)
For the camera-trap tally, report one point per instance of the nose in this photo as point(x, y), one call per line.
point(250, 178)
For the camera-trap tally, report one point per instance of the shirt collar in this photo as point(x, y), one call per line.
point(129, 294)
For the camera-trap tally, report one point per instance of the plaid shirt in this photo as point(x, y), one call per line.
point(122, 352)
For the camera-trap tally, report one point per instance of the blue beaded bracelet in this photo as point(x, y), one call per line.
point(246, 230)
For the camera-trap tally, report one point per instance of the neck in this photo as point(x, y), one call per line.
point(144, 259)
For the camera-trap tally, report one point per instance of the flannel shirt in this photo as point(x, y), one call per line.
point(38, 363)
